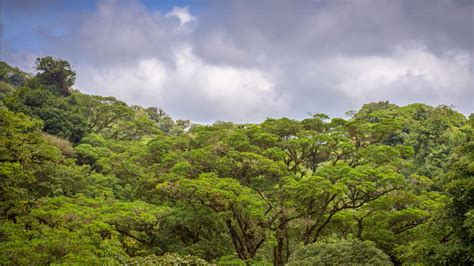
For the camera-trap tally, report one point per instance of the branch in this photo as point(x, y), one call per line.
point(128, 171)
point(270, 206)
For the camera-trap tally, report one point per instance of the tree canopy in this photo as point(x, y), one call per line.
point(88, 179)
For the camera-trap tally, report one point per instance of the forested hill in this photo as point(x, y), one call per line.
point(90, 180)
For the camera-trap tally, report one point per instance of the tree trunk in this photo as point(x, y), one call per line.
point(237, 242)
point(281, 250)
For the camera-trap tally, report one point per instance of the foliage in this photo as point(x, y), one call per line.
point(12, 75)
point(340, 252)
point(167, 259)
point(88, 179)
point(60, 117)
point(55, 74)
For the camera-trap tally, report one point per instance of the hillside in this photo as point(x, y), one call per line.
point(92, 180)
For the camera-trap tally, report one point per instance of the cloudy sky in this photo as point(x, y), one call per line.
point(247, 60)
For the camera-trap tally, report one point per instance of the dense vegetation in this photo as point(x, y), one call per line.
point(91, 180)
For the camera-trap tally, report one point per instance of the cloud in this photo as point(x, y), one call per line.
point(410, 74)
point(182, 14)
point(244, 62)
point(190, 85)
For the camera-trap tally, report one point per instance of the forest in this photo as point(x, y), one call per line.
point(92, 180)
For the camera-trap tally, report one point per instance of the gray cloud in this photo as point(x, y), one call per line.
point(321, 28)
point(247, 60)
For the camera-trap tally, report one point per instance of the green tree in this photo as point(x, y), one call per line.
point(12, 75)
point(340, 252)
point(239, 208)
point(55, 73)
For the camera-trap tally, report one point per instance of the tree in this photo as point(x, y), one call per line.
point(55, 73)
point(12, 75)
point(239, 208)
point(339, 252)
point(60, 116)
point(92, 180)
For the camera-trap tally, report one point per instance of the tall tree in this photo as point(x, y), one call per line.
point(56, 73)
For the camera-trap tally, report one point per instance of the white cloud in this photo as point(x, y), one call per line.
point(181, 13)
point(248, 62)
point(189, 84)
point(408, 75)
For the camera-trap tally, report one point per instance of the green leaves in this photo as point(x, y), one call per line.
point(56, 73)
point(340, 252)
point(91, 180)
point(12, 75)
point(239, 208)
point(95, 228)
point(219, 194)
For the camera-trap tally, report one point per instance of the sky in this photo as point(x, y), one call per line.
point(244, 61)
